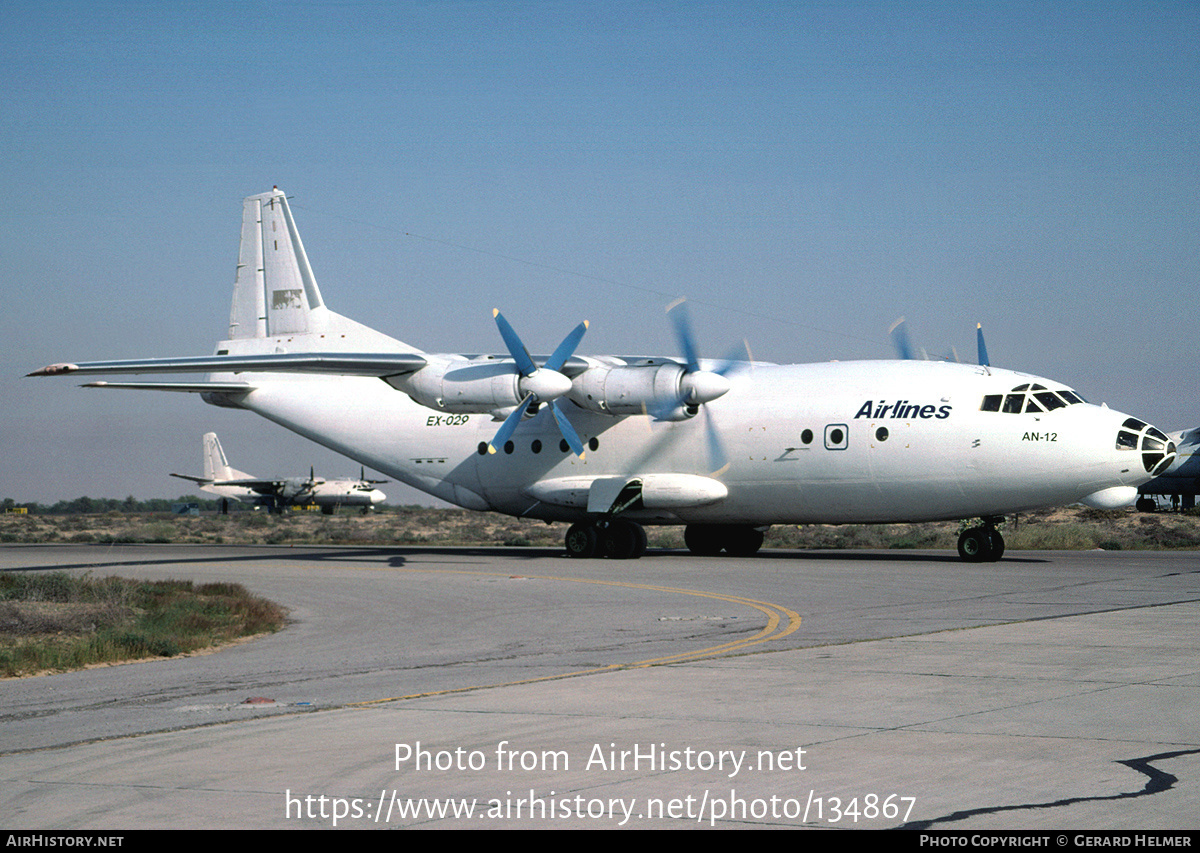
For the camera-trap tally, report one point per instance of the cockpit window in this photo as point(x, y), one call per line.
point(1050, 400)
point(1034, 398)
point(1126, 440)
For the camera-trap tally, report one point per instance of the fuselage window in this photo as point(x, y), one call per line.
point(836, 437)
point(806, 437)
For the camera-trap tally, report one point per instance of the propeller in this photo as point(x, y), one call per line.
point(539, 385)
point(698, 386)
point(904, 348)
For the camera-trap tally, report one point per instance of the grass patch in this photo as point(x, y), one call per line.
point(57, 621)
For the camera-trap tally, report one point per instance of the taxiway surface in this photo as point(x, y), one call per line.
point(514, 687)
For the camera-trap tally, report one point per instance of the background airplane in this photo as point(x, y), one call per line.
point(1181, 480)
point(613, 443)
point(278, 494)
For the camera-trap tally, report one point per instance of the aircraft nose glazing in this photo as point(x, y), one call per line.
point(1158, 451)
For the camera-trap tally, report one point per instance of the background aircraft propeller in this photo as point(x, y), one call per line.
point(539, 385)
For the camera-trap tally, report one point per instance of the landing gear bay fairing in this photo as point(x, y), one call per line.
point(612, 443)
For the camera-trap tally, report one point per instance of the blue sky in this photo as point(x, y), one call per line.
point(804, 173)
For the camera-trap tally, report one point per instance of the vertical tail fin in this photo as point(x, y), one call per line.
point(216, 466)
point(275, 292)
point(275, 295)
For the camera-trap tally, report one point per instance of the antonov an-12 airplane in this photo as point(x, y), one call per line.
point(281, 492)
point(615, 443)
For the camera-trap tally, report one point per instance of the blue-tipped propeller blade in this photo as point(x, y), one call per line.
point(516, 349)
point(510, 425)
point(568, 431)
point(567, 348)
point(983, 356)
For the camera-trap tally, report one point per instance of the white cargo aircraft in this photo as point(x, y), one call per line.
point(277, 494)
point(614, 443)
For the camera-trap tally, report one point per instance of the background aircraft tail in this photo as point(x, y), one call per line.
point(216, 466)
point(275, 293)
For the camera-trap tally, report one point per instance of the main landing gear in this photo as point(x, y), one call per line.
point(615, 538)
point(981, 544)
point(619, 539)
point(709, 540)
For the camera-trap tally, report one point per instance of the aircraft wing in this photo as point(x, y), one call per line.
point(352, 364)
point(187, 387)
point(261, 487)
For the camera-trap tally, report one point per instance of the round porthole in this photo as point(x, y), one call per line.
point(881, 434)
point(806, 437)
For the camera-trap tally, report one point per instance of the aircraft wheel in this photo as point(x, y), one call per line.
point(703, 540)
point(974, 544)
point(623, 540)
point(997, 545)
point(582, 540)
point(1145, 504)
point(328, 509)
point(743, 541)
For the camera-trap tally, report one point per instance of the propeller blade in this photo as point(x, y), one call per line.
point(899, 333)
point(568, 431)
point(510, 425)
point(567, 348)
point(983, 356)
point(717, 460)
point(683, 333)
point(516, 349)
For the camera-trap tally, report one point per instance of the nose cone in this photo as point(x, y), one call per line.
point(1156, 450)
point(377, 497)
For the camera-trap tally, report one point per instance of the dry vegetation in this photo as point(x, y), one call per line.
point(55, 621)
point(1075, 528)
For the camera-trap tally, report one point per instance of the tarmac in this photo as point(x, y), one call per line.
point(515, 688)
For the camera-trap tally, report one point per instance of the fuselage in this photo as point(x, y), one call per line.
point(881, 441)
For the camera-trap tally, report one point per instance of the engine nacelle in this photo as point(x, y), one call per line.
point(631, 390)
point(466, 386)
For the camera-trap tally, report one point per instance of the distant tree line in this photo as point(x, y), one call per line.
point(129, 504)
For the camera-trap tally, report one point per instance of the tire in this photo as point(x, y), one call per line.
point(974, 545)
point(742, 541)
point(623, 540)
point(582, 541)
point(703, 540)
